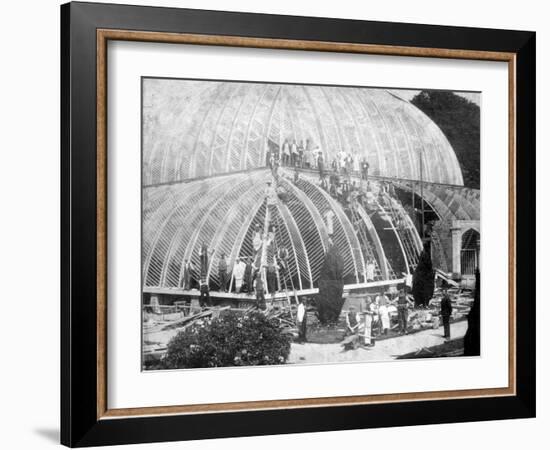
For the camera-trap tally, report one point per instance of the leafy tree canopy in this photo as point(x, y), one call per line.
point(459, 119)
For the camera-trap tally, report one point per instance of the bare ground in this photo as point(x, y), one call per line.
point(384, 350)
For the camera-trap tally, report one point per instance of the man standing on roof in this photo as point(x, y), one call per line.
point(364, 169)
point(370, 270)
point(294, 153)
point(286, 153)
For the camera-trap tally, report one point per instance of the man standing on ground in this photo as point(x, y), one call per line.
point(382, 302)
point(238, 273)
point(446, 311)
point(368, 315)
point(248, 273)
point(204, 298)
point(352, 321)
point(402, 307)
point(301, 318)
point(187, 276)
point(222, 272)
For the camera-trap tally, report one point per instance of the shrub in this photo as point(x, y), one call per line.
point(330, 299)
point(423, 278)
point(231, 340)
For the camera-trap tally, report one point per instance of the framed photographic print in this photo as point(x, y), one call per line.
point(276, 224)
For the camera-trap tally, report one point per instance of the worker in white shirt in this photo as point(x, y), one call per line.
point(370, 270)
point(353, 321)
point(238, 273)
point(302, 321)
point(369, 319)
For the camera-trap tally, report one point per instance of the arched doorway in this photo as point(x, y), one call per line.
point(469, 253)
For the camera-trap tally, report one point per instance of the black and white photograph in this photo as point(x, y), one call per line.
point(289, 224)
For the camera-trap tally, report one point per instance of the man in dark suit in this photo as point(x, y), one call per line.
point(187, 277)
point(446, 311)
point(222, 272)
point(248, 275)
point(402, 307)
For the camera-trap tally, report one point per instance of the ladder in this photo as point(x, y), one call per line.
point(282, 279)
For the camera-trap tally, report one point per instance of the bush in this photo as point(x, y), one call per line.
point(329, 301)
point(231, 340)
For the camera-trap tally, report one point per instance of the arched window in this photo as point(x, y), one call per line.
point(469, 255)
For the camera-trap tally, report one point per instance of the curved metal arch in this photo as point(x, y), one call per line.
point(333, 116)
point(262, 149)
point(441, 206)
point(349, 233)
point(192, 241)
point(376, 145)
point(208, 126)
point(310, 224)
point(216, 128)
point(401, 153)
point(190, 248)
point(364, 102)
point(251, 197)
point(207, 109)
point(382, 260)
point(241, 234)
point(399, 112)
point(320, 128)
point(198, 109)
point(396, 236)
point(351, 115)
point(184, 155)
point(182, 209)
point(434, 202)
point(294, 234)
point(387, 132)
point(170, 200)
point(249, 95)
point(313, 212)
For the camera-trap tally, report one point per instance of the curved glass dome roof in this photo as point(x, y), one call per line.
point(200, 128)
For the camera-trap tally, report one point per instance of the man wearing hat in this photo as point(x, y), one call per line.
point(446, 311)
point(402, 307)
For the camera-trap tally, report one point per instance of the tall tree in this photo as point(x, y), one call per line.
point(423, 278)
point(330, 299)
point(459, 119)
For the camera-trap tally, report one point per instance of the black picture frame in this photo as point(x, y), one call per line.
point(80, 425)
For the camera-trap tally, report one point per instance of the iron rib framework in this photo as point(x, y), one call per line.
point(223, 211)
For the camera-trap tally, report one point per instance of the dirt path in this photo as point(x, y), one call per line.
point(383, 350)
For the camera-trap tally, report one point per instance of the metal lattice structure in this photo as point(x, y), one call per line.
point(204, 178)
point(222, 213)
point(200, 128)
